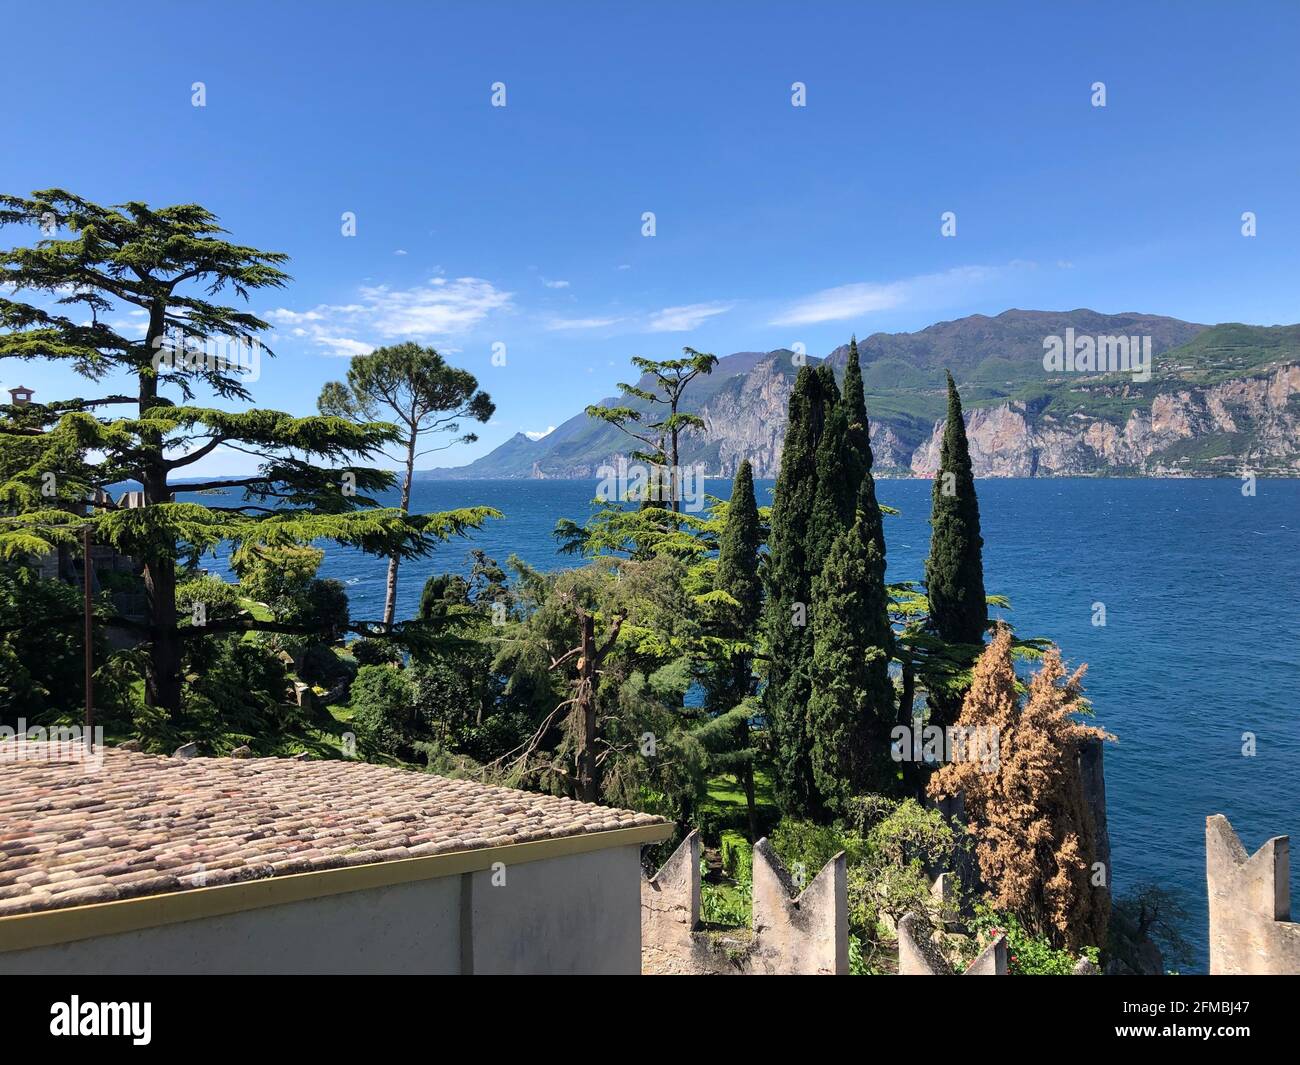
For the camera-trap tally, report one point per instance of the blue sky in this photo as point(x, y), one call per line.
point(775, 224)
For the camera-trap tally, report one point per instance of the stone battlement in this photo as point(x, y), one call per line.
point(791, 932)
point(1251, 930)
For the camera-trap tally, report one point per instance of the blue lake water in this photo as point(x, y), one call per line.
point(1201, 643)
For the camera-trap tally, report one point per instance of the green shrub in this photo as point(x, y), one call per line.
point(912, 833)
point(726, 905)
point(41, 665)
point(1027, 954)
point(737, 856)
point(810, 846)
point(219, 599)
point(383, 711)
point(270, 574)
point(325, 669)
point(372, 652)
point(241, 693)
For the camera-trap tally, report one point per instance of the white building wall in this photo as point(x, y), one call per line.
point(573, 914)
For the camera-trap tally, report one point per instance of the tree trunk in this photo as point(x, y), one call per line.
point(163, 679)
point(675, 473)
point(588, 775)
point(162, 687)
point(390, 590)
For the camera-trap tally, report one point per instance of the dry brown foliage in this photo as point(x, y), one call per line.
point(1034, 833)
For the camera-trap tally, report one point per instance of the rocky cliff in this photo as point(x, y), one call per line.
point(1250, 423)
point(1221, 400)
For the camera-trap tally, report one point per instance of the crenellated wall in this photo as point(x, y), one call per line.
point(918, 957)
point(1251, 931)
point(791, 933)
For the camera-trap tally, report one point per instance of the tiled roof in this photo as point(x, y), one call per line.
point(73, 833)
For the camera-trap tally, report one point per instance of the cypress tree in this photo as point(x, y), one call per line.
point(830, 393)
point(788, 634)
point(838, 478)
point(737, 575)
point(855, 404)
point(954, 571)
point(851, 708)
point(738, 552)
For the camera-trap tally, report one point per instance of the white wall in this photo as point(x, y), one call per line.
point(573, 914)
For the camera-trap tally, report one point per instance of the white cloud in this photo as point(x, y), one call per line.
point(851, 301)
point(581, 323)
point(436, 309)
point(440, 308)
point(320, 314)
point(844, 301)
point(344, 347)
point(555, 284)
point(681, 319)
point(533, 434)
point(400, 251)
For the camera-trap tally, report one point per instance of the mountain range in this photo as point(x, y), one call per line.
point(1220, 400)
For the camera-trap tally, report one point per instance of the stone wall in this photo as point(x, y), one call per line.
point(918, 957)
point(1251, 931)
point(790, 933)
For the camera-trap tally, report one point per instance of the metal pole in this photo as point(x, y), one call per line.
point(89, 617)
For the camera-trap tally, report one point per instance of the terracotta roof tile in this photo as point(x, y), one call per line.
point(74, 831)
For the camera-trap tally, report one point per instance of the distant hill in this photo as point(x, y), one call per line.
point(1220, 399)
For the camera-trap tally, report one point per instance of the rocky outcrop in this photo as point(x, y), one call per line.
point(1249, 423)
point(747, 422)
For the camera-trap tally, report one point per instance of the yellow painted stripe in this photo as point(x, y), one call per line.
point(45, 928)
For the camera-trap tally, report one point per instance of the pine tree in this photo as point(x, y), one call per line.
point(954, 571)
point(168, 263)
point(665, 384)
point(851, 708)
point(415, 388)
point(737, 575)
point(789, 589)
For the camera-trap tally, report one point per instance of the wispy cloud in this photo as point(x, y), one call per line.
point(343, 347)
point(556, 324)
point(555, 284)
point(682, 319)
point(852, 301)
point(439, 308)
